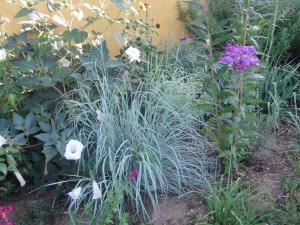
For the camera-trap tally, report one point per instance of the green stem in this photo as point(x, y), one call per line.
point(213, 79)
point(245, 20)
point(273, 30)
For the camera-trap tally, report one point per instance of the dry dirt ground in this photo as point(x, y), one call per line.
point(266, 169)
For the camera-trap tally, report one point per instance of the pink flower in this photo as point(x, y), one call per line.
point(134, 174)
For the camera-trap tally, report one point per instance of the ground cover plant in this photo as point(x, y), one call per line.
point(114, 136)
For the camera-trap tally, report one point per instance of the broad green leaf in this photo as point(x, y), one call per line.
point(205, 107)
point(49, 152)
point(252, 100)
point(3, 168)
point(220, 40)
point(11, 149)
point(29, 82)
point(45, 137)
point(18, 121)
point(225, 94)
point(61, 147)
point(60, 73)
point(45, 127)
point(79, 36)
point(22, 12)
point(225, 129)
point(11, 162)
point(45, 48)
point(30, 120)
point(77, 76)
point(20, 140)
point(46, 81)
point(227, 109)
point(201, 34)
point(100, 52)
point(67, 36)
point(53, 6)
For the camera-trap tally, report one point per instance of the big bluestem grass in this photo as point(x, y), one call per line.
point(137, 129)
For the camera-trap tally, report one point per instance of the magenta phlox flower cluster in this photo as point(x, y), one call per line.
point(4, 211)
point(240, 57)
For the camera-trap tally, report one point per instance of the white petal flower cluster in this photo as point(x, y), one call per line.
point(74, 149)
point(96, 191)
point(75, 194)
point(64, 62)
point(3, 54)
point(3, 141)
point(20, 178)
point(133, 54)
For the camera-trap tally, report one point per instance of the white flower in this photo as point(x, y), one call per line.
point(36, 16)
point(96, 191)
point(64, 62)
point(73, 150)
point(75, 194)
point(2, 54)
point(3, 20)
point(133, 54)
point(20, 178)
point(134, 10)
point(3, 141)
point(100, 115)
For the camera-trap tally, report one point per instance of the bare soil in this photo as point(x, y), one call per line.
point(269, 166)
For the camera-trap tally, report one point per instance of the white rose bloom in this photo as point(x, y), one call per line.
point(133, 54)
point(75, 194)
point(73, 150)
point(96, 191)
point(20, 178)
point(3, 141)
point(64, 62)
point(36, 16)
point(3, 54)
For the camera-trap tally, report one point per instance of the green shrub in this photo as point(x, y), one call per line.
point(38, 213)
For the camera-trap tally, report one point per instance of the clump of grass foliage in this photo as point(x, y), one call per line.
point(235, 203)
point(141, 127)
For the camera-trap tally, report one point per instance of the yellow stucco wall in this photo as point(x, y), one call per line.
point(163, 11)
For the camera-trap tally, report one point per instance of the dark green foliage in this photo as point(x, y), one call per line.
point(38, 213)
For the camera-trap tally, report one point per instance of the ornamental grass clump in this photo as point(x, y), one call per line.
point(134, 138)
